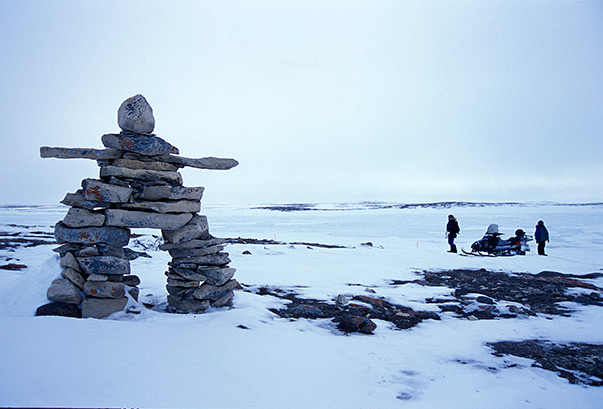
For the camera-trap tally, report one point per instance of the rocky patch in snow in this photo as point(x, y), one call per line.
point(579, 363)
point(353, 314)
point(482, 294)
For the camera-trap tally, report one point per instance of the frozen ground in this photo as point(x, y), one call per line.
point(248, 357)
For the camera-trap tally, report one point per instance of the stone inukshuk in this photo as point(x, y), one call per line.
point(139, 187)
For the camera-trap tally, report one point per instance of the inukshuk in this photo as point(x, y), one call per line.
point(139, 187)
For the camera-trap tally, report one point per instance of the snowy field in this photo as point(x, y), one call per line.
point(248, 357)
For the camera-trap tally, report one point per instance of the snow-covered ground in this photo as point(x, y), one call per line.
point(247, 357)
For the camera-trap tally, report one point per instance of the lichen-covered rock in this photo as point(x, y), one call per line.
point(104, 265)
point(104, 289)
point(148, 145)
point(105, 192)
point(91, 235)
point(136, 115)
point(188, 305)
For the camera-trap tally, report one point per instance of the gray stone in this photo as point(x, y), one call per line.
point(104, 289)
point(172, 192)
point(69, 261)
point(192, 244)
point(148, 165)
point(182, 283)
point(187, 274)
point(78, 217)
point(196, 228)
point(179, 292)
point(136, 115)
point(77, 200)
point(195, 252)
point(211, 260)
point(88, 251)
point(98, 277)
point(131, 280)
point(225, 300)
point(201, 163)
point(148, 145)
point(104, 265)
point(219, 276)
point(214, 292)
point(186, 305)
point(67, 248)
point(62, 290)
point(102, 307)
point(181, 206)
point(79, 153)
point(75, 277)
point(105, 192)
point(136, 219)
point(134, 292)
point(113, 251)
point(141, 174)
point(91, 235)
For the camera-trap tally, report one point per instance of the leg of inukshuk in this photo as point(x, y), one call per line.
point(139, 187)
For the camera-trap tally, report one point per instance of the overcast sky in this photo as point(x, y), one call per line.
point(319, 101)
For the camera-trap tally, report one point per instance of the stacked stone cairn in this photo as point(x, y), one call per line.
point(139, 187)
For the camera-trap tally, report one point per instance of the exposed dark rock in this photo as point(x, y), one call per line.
point(60, 309)
point(538, 293)
point(13, 267)
point(579, 363)
point(352, 316)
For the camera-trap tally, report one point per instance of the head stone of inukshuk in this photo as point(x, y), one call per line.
point(140, 186)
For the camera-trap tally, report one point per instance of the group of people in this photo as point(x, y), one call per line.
point(541, 234)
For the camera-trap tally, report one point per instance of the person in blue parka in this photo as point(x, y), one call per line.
point(541, 235)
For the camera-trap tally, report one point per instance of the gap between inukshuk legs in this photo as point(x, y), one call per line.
point(139, 187)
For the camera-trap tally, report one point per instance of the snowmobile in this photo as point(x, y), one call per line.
point(493, 245)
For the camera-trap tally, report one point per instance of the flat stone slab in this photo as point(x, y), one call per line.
point(104, 265)
point(78, 217)
point(172, 192)
point(210, 260)
point(209, 162)
point(138, 219)
point(195, 252)
point(104, 289)
point(102, 307)
point(141, 174)
point(214, 292)
point(148, 145)
point(196, 228)
point(181, 206)
point(79, 153)
point(105, 192)
point(192, 244)
point(77, 199)
point(150, 165)
point(220, 276)
point(91, 235)
point(186, 305)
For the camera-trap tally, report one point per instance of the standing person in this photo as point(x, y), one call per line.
point(541, 235)
point(452, 230)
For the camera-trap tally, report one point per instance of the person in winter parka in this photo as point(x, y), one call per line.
point(452, 230)
point(541, 235)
